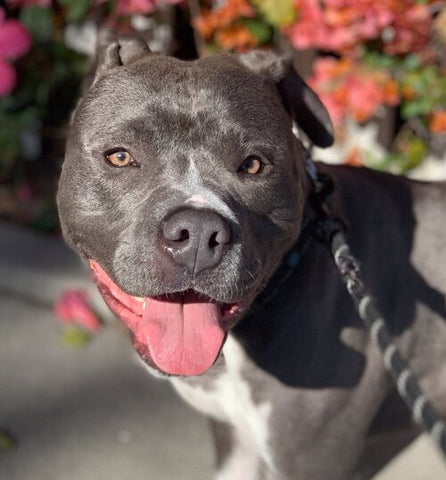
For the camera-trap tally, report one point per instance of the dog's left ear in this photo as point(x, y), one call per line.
point(300, 101)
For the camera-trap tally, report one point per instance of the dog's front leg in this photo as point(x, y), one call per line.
point(236, 456)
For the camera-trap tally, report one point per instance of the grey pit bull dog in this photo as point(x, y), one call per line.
point(184, 188)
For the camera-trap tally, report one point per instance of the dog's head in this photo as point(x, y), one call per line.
point(183, 186)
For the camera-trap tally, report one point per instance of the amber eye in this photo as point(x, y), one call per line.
point(120, 158)
point(251, 165)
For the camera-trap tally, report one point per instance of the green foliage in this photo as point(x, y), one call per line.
point(49, 79)
point(13, 122)
point(39, 22)
point(75, 337)
point(75, 9)
point(429, 91)
point(422, 86)
point(261, 30)
point(400, 162)
point(278, 13)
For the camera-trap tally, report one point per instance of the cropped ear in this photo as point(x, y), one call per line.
point(298, 98)
point(114, 50)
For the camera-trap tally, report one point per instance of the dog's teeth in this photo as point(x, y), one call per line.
point(139, 299)
point(144, 305)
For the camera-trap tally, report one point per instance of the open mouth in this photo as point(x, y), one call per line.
point(178, 334)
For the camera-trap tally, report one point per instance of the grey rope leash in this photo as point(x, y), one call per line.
point(422, 411)
point(330, 231)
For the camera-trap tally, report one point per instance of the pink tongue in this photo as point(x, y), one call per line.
point(184, 337)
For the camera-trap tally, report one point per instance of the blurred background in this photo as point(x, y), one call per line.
point(72, 403)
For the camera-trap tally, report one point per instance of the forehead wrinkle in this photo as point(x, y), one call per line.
point(199, 105)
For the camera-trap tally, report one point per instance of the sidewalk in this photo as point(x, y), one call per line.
point(81, 414)
point(94, 413)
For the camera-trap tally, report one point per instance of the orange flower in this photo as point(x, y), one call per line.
point(205, 24)
point(212, 20)
point(390, 92)
point(236, 38)
point(437, 122)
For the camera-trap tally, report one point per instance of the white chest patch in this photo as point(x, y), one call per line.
point(229, 400)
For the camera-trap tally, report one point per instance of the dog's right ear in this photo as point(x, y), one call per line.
point(114, 50)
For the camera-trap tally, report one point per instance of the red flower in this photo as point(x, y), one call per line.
point(73, 308)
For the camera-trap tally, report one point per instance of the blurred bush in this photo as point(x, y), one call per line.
point(378, 65)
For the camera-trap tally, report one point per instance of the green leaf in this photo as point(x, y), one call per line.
point(39, 22)
point(259, 29)
point(76, 9)
point(416, 151)
point(400, 162)
point(75, 337)
point(412, 61)
point(416, 108)
point(378, 60)
point(279, 13)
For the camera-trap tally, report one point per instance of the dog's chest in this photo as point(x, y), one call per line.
point(229, 398)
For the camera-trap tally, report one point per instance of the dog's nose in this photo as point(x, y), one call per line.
point(196, 239)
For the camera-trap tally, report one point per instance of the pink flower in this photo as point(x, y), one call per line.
point(15, 41)
point(142, 7)
point(129, 7)
point(412, 29)
point(343, 26)
point(349, 89)
point(73, 308)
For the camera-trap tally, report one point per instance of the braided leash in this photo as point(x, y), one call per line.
point(422, 411)
point(330, 231)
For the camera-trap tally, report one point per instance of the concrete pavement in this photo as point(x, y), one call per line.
point(94, 413)
point(90, 413)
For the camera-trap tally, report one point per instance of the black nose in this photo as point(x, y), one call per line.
point(197, 239)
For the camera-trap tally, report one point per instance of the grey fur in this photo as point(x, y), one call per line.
point(334, 411)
